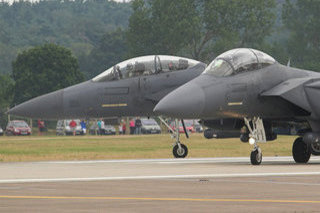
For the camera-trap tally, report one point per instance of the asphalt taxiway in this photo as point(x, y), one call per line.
point(159, 185)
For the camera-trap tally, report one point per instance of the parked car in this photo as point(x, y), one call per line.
point(1, 131)
point(63, 127)
point(150, 126)
point(191, 126)
point(108, 129)
point(197, 126)
point(18, 127)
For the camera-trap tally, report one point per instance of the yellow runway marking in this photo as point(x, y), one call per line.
point(157, 199)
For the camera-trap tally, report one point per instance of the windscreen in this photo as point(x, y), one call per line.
point(238, 61)
point(20, 124)
point(145, 65)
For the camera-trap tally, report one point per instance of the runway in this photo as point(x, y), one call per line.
point(158, 185)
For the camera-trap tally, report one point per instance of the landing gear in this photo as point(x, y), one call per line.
point(301, 151)
point(256, 134)
point(256, 156)
point(179, 150)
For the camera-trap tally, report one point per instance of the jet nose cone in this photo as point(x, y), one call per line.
point(187, 101)
point(49, 106)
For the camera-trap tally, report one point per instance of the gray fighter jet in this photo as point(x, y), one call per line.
point(130, 88)
point(248, 90)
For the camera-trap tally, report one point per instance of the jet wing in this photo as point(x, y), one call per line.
point(302, 92)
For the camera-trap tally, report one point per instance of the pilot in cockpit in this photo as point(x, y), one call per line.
point(139, 69)
point(171, 66)
point(129, 70)
point(119, 73)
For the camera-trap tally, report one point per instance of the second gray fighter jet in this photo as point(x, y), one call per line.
point(248, 90)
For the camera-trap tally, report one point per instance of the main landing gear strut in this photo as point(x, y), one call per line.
point(179, 150)
point(301, 150)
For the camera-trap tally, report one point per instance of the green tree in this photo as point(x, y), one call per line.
point(162, 26)
point(198, 28)
point(43, 69)
point(6, 95)
point(302, 18)
point(233, 23)
point(112, 49)
point(77, 25)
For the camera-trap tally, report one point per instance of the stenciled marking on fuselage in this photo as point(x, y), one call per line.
point(235, 103)
point(115, 105)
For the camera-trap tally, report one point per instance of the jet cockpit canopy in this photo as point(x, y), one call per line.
point(145, 65)
point(237, 61)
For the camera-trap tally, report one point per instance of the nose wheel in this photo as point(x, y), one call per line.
point(180, 150)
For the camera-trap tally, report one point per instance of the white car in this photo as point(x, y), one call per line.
point(150, 126)
point(63, 127)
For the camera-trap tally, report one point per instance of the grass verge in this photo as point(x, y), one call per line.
point(43, 148)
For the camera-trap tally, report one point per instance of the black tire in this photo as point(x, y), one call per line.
point(180, 153)
point(301, 151)
point(255, 157)
point(315, 149)
point(208, 133)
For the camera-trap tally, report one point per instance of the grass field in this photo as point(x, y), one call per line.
point(42, 148)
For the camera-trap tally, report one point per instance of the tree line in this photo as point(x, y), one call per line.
point(102, 33)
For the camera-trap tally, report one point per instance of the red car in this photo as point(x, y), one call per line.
point(16, 127)
point(188, 124)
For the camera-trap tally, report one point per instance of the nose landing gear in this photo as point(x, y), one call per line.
point(257, 134)
point(179, 150)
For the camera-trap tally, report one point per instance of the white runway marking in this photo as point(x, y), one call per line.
point(144, 169)
point(158, 177)
point(182, 161)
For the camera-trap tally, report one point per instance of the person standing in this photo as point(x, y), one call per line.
point(138, 125)
point(99, 127)
point(41, 126)
point(102, 127)
point(83, 127)
point(124, 128)
point(132, 127)
point(73, 126)
point(120, 129)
